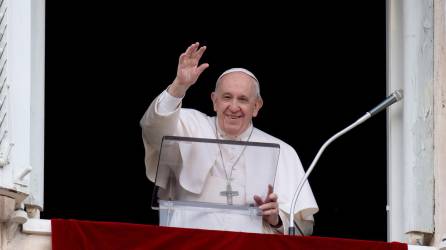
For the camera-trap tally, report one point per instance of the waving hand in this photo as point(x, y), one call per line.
point(188, 69)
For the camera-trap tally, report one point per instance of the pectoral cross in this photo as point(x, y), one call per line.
point(229, 193)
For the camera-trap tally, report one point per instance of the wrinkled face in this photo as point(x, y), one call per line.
point(236, 102)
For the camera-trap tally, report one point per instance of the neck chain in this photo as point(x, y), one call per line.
point(228, 177)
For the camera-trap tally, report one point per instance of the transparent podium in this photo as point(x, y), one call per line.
point(210, 184)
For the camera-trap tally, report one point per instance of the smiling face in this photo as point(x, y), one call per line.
point(236, 102)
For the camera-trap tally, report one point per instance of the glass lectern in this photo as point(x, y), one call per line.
point(211, 184)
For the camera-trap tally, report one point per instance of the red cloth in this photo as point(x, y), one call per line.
point(75, 234)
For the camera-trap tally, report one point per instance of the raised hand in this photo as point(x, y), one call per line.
point(269, 207)
point(188, 70)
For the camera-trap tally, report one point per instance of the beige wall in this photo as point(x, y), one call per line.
point(440, 119)
point(12, 239)
point(30, 242)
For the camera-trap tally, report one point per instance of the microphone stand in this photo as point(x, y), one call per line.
point(292, 229)
point(394, 97)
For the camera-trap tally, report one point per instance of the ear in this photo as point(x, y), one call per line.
point(214, 101)
point(257, 106)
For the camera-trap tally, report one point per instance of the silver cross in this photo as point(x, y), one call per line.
point(229, 193)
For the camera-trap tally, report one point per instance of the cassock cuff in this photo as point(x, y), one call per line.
point(167, 103)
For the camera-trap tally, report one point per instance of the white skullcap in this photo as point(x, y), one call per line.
point(249, 73)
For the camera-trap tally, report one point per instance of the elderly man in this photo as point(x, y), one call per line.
point(236, 100)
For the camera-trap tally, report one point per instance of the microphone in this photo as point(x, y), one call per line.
point(391, 99)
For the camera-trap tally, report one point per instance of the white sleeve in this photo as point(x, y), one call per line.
point(167, 103)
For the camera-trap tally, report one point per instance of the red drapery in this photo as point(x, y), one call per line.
point(75, 234)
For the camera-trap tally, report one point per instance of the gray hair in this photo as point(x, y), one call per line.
point(249, 73)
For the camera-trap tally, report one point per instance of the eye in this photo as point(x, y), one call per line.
point(226, 97)
point(244, 99)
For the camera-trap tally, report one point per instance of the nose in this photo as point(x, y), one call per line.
point(234, 106)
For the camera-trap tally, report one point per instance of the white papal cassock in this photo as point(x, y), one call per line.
point(200, 182)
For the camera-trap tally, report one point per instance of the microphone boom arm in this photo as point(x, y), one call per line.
point(292, 229)
point(394, 97)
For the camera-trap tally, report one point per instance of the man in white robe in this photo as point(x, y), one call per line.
point(236, 101)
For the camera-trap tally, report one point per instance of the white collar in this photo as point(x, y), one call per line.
point(242, 137)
